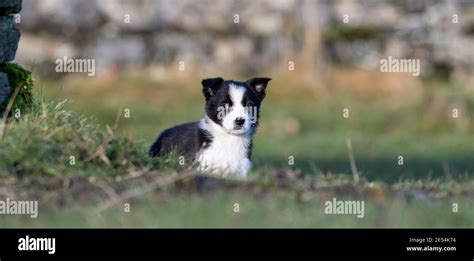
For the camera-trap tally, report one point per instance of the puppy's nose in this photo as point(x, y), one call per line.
point(239, 122)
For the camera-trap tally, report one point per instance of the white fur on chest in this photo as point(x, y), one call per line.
point(226, 155)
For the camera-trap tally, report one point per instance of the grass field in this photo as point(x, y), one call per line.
point(298, 120)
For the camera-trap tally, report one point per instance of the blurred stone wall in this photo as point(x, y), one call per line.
point(202, 33)
point(9, 37)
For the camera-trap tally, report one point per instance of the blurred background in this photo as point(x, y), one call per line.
point(324, 57)
point(208, 37)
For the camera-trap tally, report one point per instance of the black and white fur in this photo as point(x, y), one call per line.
point(221, 142)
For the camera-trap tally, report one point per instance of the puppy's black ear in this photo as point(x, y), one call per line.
point(259, 85)
point(210, 86)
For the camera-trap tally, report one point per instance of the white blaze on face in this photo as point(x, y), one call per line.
point(237, 111)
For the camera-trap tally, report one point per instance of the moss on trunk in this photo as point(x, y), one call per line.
point(18, 76)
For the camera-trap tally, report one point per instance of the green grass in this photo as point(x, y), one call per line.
point(217, 211)
point(381, 126)
point(110, 154)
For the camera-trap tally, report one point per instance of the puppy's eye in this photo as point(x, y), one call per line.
point(226, 106)
point(249, 104)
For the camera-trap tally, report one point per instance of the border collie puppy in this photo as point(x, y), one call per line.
point(221, 142)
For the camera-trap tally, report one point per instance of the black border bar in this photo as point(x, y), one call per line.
point(242, 242)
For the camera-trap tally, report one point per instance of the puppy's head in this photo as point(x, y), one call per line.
point(233, 105)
